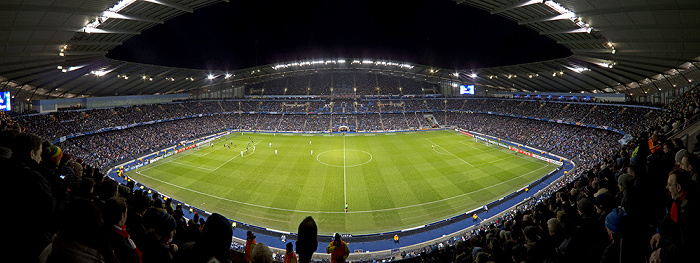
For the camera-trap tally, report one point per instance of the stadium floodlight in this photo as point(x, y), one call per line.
point(473, 75)
point(227, 76)
point(99, 73)
point(210, 77)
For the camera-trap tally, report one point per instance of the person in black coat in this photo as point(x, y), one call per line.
point(114, 215)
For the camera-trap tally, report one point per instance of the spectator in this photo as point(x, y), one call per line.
point(157, 246)
point(213, 244)
point(614, 223)
point(114, 212)
point(261, 254)
point(81, 237)
point(307, 239)
point(677, 239)
point(338, 249)
point(289, 256)
point(249, 245)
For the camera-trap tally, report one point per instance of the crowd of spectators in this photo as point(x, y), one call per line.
point(631, 203)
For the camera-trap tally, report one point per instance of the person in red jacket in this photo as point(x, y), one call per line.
point(338, 249)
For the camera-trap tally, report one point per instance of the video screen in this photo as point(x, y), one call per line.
point(466, 89)
point(5, 101)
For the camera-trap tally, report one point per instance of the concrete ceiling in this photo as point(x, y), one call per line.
point(51, 49)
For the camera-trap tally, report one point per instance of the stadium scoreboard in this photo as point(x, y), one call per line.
point(5, 101)
point(466, 89)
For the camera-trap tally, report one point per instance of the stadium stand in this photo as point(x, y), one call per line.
point(576, 220)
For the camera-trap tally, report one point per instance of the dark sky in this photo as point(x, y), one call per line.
point(247, 33)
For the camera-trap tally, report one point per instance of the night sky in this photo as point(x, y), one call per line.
point(247, 33)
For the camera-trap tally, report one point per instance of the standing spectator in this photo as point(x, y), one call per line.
point(338, 249)
point(290, 257)
point(249, 245)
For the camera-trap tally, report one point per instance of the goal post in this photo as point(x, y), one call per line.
point(202, 144)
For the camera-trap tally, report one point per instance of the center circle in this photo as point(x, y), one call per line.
point(344, 158)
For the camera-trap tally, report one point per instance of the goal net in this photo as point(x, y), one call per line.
point(202, 144)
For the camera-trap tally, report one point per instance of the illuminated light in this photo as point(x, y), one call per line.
point(610, 44)
point(473, 75)
point(59, 67)
point(61, 54)
point(210, 77)
point(99, 73)
point(227, 76)
point(456, 74)
point(64, 70)
point(340, 61)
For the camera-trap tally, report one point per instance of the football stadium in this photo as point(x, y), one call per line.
point(357, 131)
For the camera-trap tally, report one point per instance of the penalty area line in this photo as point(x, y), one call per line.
point(451, 153)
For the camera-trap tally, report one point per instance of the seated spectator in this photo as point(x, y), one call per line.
point(614, 223)
point(114, 212)
point(213, 244)
point(261, 254)
point(157, 246)
point(307, 239)
point(80, 237)
point(677, 239)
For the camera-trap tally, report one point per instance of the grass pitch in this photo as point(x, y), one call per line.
point(389, 181)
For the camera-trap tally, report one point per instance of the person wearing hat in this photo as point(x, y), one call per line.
point(249, 245)
point(614, 223)
point(338, 249)
point(157, 246)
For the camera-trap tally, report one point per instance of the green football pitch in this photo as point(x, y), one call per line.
point(390, 181)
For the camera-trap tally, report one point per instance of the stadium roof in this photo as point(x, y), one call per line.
point(57, 49)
